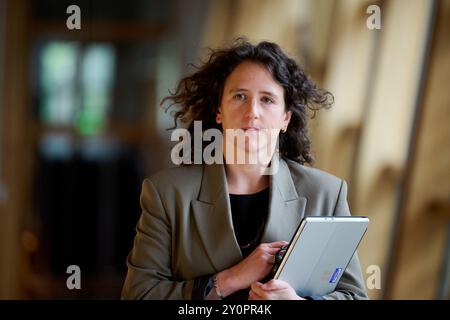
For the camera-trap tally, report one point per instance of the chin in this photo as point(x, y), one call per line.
point(251, 147)
point(257, 152)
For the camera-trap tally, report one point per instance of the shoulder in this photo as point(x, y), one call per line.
point(312, 179)
point(179, 178)
point(177, 174)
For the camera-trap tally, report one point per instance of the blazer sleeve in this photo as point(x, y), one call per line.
point(351, 285)
point(149, 273)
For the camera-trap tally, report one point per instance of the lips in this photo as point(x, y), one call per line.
point(250, 129)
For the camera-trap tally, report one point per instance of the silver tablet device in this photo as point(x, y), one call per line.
point(319, 253)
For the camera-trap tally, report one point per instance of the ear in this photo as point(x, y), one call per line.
point(287, 118)
point(218, 117)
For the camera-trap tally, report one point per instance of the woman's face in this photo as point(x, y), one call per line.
point(253, 102)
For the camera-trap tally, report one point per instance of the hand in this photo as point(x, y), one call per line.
point(255, 267)
point(273, 290)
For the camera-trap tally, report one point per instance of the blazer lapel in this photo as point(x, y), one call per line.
point(286, 207)
point(212, 215)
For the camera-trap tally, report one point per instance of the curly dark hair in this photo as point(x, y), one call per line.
point(199, 95)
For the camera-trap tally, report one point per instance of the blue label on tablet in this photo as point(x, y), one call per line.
point(335, 275)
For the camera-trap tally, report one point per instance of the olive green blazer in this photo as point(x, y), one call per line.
point(186, 229)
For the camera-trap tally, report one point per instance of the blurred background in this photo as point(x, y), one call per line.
point(81, 126)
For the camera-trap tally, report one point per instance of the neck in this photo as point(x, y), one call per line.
point(246, 178)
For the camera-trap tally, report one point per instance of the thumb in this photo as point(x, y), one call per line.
point(274, 285)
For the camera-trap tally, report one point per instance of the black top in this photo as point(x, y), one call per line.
point(249, 212)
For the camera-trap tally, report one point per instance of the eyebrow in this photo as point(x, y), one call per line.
point(245, 90)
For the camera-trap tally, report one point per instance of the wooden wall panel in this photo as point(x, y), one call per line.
point(425, 218)
point(280, 21)
point(387, 130)
point(335, 133)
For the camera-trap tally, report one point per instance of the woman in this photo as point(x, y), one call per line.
point(211, 231)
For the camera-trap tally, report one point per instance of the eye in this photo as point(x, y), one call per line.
point(239, 97)
point(267, 100)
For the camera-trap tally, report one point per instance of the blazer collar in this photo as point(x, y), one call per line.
point(213, 217)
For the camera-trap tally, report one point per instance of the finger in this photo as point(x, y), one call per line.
point(255, 285)
point(256, 288)
point(275, 285)
point(256, 295)
point(272, 251)
point(253, 296)
point(273, 245)
point(277, 244)
point(269, 258)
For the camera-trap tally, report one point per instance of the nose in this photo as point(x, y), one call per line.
point(252, 109)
